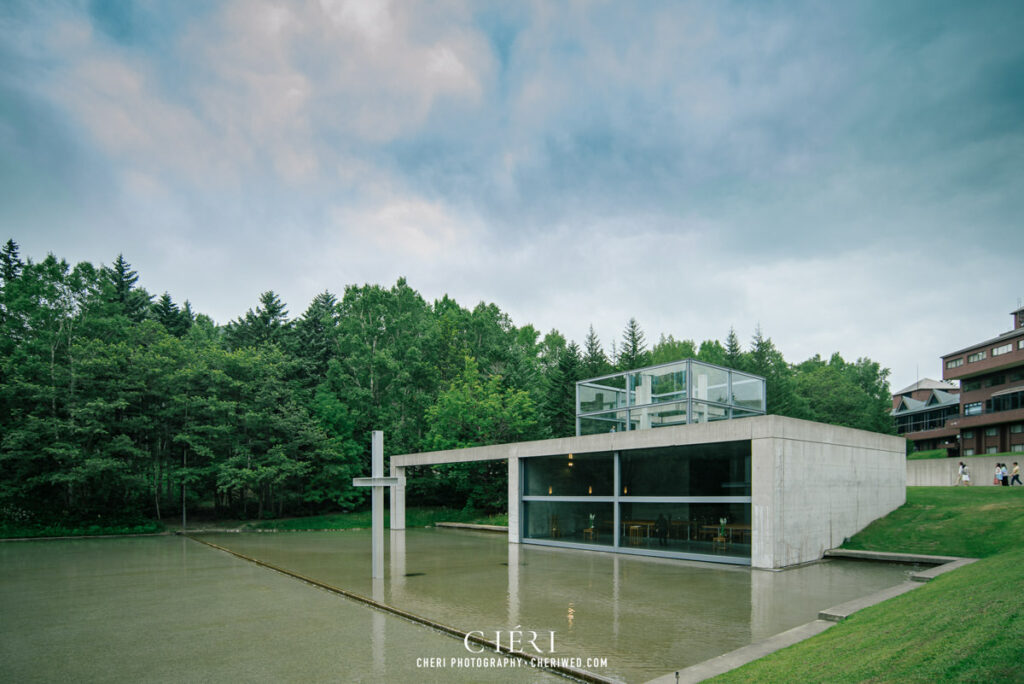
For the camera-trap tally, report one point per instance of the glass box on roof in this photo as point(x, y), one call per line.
point(676, 393)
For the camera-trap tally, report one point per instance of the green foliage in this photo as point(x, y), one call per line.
point(114, 405)
point(927, 454)
point(10, 263)
point(130, 301)
point(558, 408)
point(416, 516)
point(842, 393)
point(669, 349)
point(268, 324)
point(595, 363)
point(16, 531)
point(633, 353)
point(476, 411)
point(174, 320)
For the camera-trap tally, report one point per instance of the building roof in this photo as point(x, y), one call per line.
point(938, 399)
point(1011, 334)
point(927, 384)
point(1009, 390)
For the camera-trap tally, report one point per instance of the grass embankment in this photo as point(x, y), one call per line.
point(15, 530)
point(964, 626)
point(414, 517)
point(929, 453)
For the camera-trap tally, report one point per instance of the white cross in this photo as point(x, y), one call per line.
point(378, 482)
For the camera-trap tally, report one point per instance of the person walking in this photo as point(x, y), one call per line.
point(997, 479)
point(966, 474)
point(959, 474)
point(1006, 478)
point(1016, 474)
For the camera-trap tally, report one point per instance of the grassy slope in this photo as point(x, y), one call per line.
point(965, 626)
point(930, 453)
point(414, 517)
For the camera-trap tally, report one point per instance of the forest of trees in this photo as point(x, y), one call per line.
point(117, 404)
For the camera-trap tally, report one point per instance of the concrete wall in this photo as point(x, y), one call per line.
point(941, 472)
point(513, 500)
point(815, 484)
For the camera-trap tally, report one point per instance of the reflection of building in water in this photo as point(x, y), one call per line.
point(766, 491)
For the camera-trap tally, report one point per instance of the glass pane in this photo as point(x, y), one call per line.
point(721, 469)
point(569, 475)
point(599, 397)
point(668, 383)
point(710, 383)
point(569, 521)
point(747, 391)
point(612, 421)
point(704, 413)
point(660, 416)
point(687, 528)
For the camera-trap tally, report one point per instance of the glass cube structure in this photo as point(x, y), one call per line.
point(676, 393)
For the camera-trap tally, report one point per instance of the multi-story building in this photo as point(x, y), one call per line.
point(923, 411)
point(991, 375)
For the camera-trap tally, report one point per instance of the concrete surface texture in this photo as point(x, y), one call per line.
point(814, 485)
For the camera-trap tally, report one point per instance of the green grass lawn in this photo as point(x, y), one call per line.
point(929, 453)
point(414, 517)
point(964, 626)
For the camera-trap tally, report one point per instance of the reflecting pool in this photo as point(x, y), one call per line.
point(169, 608)
point(647, 616)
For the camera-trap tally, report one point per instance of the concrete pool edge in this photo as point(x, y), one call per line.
point(826, 618)
point(502, 529)
point(562, 670)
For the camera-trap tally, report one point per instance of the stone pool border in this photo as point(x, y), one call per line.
point(563, 670)
point(502, 529)
point(826, 618)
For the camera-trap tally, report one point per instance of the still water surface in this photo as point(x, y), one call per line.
point(171, 609)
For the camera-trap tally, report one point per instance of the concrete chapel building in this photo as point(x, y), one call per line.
point(679, 461)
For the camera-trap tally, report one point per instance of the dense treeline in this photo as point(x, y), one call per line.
point(117, 404)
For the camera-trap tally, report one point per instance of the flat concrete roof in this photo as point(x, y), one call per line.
point(737, 429)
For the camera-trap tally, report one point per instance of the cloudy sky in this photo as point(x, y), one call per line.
point(850, 176)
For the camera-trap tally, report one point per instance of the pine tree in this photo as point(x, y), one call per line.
point(633, 353)
point(267, 324)
point(186, 316)
point(595, 363)
point(166, 313)
point(733, 351)
point(559, 408)
point(316, 336)
point(10, 264)
point(768, 362)
point(133, 302)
